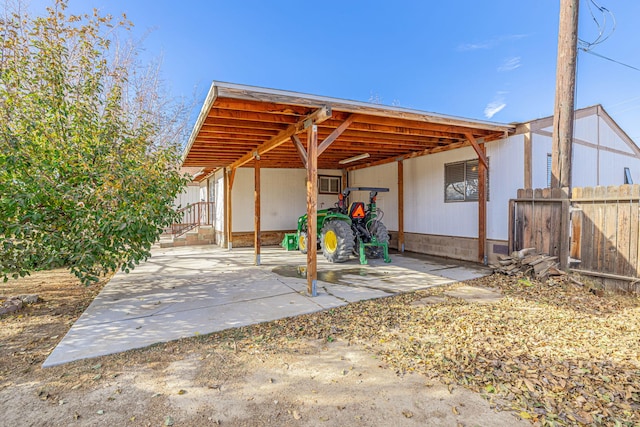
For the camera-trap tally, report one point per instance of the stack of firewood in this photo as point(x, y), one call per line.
point(530, 262)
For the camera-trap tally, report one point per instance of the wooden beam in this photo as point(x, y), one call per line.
point(317, 116)
point(335, 134)
point(225, 228)
point(400, 206)
point(409, 156)
point(259, 106)
point(231, 174)
point(479, 151)
point(528, 160)
point(256, 219)
point(482, 205)
point(301, 151)
point(312, 209)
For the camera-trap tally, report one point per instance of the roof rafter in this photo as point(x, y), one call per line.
point(318, 116)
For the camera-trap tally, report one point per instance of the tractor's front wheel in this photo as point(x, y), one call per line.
point(337, 240)
point(302, 242)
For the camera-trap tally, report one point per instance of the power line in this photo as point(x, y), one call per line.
point(608, 59)
point(601, 27)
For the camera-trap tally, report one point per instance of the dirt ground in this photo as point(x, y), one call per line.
point(546, 354)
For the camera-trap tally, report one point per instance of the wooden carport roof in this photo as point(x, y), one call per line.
point(249, 126)
point(237, 122)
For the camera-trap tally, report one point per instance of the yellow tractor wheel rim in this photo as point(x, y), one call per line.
point(330, 241)
point(302, 242)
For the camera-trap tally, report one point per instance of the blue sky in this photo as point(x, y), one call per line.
point(485, 60)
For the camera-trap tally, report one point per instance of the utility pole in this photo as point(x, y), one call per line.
point(563, 113)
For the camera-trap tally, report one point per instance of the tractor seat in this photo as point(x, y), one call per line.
point(356, 210)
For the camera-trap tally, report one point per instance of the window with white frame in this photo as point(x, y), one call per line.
point(461, 181)
point(627, 176)
point(329, 184)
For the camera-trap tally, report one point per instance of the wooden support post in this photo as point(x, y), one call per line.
point(231, 174)
point(256, 219)
point(512, 226)
point(400, 206)
point(482, 206)
point(225, 216)
point(345, 179)
point(312, 209)
point(565, 94)
point(528, 159)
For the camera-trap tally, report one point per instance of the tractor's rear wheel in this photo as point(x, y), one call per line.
point(380, 232)
point(302, 242)
point(337, 240)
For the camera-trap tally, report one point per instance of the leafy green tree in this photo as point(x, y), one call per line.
point(89, 146)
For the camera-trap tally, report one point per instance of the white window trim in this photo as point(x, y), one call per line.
point(329, 179)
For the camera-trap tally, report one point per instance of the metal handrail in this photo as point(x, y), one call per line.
point(192, 216)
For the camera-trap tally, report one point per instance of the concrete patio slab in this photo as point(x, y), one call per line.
point(474, 294)
point(188, 291)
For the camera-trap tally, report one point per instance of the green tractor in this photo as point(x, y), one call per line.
point(356, 230)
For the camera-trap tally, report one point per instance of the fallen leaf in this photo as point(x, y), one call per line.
point(181, 392)
point(168, 421)
point(529, 385)
point(296, 415)
point(525, 415)
point(407, 413)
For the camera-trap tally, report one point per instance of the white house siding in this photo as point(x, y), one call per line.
point(385, 176)
point(585, 166)
point(584, 128)
point(189, 195)
point(506, 176)
point(425, 210)
point(202, 194)
point(540, 147)
point(219, 207)
point(594, 162)
point(608, 137)
point(612, 168)
point(283, 198)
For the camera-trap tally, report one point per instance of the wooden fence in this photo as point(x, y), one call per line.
point(540, 219)
point(596, 231)
point(605, 229)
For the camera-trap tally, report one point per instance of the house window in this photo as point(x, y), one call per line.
point(329, 184)
point(461, 181)
point(627, 176)
point(549, 170)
